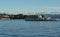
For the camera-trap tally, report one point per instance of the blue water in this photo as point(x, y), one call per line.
point(22, 28)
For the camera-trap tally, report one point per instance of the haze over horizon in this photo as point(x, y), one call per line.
point(30, 6)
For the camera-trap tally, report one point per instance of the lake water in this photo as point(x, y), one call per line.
point(22, 28)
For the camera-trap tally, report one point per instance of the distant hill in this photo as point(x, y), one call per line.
point(53, 15)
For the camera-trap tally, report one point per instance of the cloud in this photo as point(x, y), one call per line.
point(50, 10)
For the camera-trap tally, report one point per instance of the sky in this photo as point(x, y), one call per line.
point(29, 6)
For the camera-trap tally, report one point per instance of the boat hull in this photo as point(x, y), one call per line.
point(40, 20)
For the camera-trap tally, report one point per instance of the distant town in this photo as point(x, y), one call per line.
point(22, 16)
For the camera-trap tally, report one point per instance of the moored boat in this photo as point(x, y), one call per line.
point(40, 18)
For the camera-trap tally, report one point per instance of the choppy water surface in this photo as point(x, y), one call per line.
point(22, 28)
